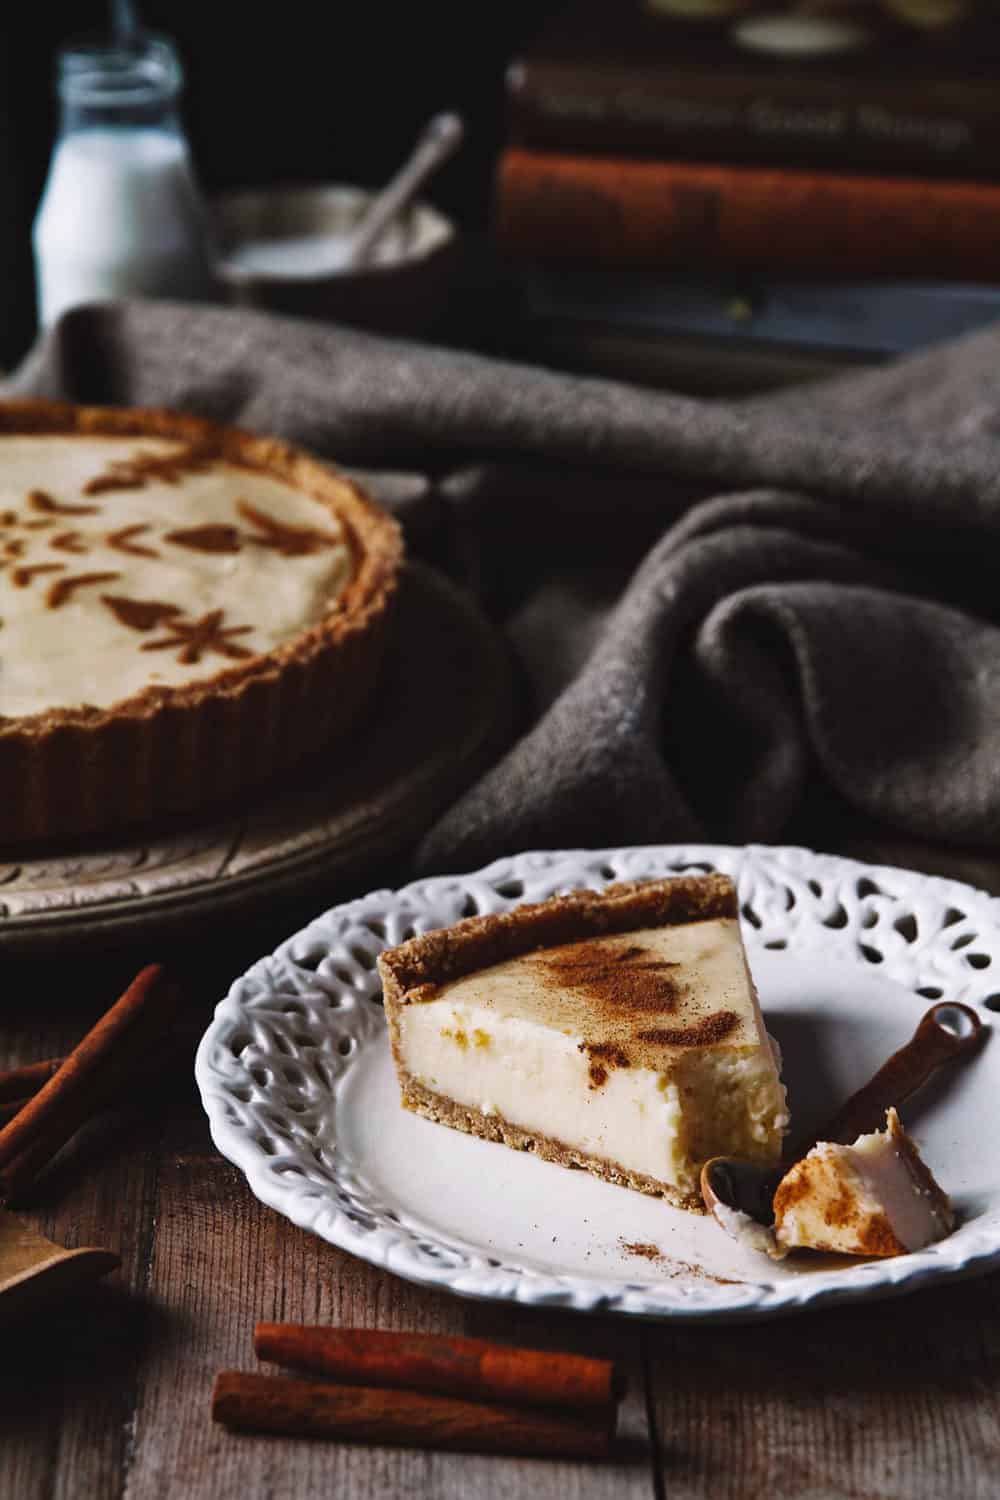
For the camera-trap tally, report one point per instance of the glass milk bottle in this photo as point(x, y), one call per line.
point(120, 215)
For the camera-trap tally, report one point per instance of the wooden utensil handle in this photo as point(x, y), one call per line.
point(946, 1032)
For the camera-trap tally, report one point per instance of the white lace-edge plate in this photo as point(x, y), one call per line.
point(296, 1078)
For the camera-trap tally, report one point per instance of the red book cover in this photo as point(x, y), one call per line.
point(693, 216)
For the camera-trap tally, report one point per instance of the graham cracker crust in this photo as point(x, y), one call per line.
point(423, 1101)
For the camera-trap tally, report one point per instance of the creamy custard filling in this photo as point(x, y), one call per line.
point(133, 562)
point(539, 1079)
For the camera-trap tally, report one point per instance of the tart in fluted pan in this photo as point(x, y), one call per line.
point(186, 610)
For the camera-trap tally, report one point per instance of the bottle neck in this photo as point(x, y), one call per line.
point(133, 84)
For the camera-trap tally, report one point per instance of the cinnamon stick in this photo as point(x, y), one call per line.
point(415, 1419)
point(21, 1083)
point(474, 1368)
point(46, 1122)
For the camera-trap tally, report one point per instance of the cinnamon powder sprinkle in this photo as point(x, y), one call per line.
point(64, 588)
point(139, 614)
point(645, 1250)
point(622, 977)
point(41, 500)
point(68, 541)
point(123, 540)
point(136, 472)
point(209, 538)
point(609, 1052)
point(603, 1055)
point(21, 577)
point(642, 1248)
point(703, 1033)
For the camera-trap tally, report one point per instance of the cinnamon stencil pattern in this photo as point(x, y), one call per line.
point(39, 550)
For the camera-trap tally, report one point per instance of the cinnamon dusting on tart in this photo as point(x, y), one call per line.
point(68, 541)
point(289, 541)
point(217, 538)
point(838, 1198)
point(623, 976)
point(195, 637)
point(135, 472)
point(602, 1056)
point(139, 614)
point(64, 588)
point(609, 1052)
point(122, 540)
point(22, 577)
point(42, 500)
point(704, 1033)
point(842, 1212)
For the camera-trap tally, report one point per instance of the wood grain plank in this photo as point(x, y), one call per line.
point(898, 1400)
point(66, 1399)
point(221, 1262)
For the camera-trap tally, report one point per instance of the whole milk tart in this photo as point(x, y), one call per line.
point(186, 611)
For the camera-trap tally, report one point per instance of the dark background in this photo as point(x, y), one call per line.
point(291, 91)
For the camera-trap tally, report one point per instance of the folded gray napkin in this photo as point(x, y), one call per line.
point(730, 615)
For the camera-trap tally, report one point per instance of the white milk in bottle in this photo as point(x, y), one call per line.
point(120, 215)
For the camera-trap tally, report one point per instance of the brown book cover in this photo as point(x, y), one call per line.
point(864, 85)
point(698, 216)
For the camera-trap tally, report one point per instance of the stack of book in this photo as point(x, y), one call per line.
point(817, 177)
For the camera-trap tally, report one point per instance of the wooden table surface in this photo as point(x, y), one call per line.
point(106, 1394)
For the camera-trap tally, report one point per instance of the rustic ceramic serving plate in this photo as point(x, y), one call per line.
point(296, 1078)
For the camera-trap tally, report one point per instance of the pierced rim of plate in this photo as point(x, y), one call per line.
point(273, 1061)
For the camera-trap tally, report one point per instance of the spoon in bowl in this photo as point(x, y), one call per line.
point(740, 1195)
point(440, 139)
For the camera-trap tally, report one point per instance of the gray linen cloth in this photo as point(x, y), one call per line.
point(726, 613)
